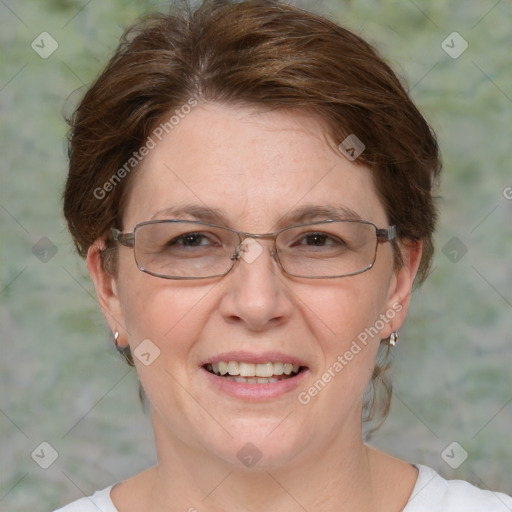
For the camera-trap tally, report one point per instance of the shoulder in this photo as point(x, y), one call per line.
point(433, 492)
point(100, 500)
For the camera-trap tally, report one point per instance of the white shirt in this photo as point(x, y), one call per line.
point(432, 493)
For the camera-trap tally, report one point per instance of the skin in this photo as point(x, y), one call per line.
point(257, 167)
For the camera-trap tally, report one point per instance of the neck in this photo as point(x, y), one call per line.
point(188, 479)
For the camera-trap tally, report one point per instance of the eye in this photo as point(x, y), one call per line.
point(193, 240)
point(318, 239)
point(189, 239)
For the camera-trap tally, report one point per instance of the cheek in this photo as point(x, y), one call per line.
point(346, 321)
point(164, 322)
point(160, 310)
point(342, 310)
point(349, 346)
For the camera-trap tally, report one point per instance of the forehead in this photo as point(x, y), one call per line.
point(251, 170)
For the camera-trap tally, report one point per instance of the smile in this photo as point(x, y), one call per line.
point(254, 377)
point(251, 373)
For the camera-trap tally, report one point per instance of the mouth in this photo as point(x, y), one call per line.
point(254, 373)
point(250, 376)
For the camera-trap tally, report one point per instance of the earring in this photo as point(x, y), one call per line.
point(124, 351)
point(394, 338)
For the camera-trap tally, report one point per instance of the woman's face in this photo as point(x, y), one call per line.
point(258, 170)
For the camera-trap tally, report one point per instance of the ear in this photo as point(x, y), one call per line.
point(399, 296)
point(107, 292)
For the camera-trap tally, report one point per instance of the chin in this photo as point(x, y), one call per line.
point(259, 446)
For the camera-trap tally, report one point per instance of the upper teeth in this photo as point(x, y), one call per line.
point(252, 370)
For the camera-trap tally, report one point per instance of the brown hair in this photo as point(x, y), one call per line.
point(260, 53)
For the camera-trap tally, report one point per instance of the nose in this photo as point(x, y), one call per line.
point(256, 294)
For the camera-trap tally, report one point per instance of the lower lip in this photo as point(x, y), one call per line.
point(268, 391)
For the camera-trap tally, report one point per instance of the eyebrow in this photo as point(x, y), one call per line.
point(305, 213)
point(202, 213)
point(311, 212)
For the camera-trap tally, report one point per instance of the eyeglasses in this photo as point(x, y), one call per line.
point(186, 249)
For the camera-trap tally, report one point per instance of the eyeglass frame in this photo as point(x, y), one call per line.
point(128, 240)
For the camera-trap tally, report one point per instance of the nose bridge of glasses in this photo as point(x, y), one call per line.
point(249, 245)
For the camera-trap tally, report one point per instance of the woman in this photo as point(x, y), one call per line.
point(252, 189)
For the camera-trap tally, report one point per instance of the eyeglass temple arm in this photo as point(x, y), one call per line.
point(387, 234)
point(125, 239)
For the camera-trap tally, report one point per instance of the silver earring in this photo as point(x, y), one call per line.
point(124, 351)
point(394, 338)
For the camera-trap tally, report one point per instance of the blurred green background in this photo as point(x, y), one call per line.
point(61, 381)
